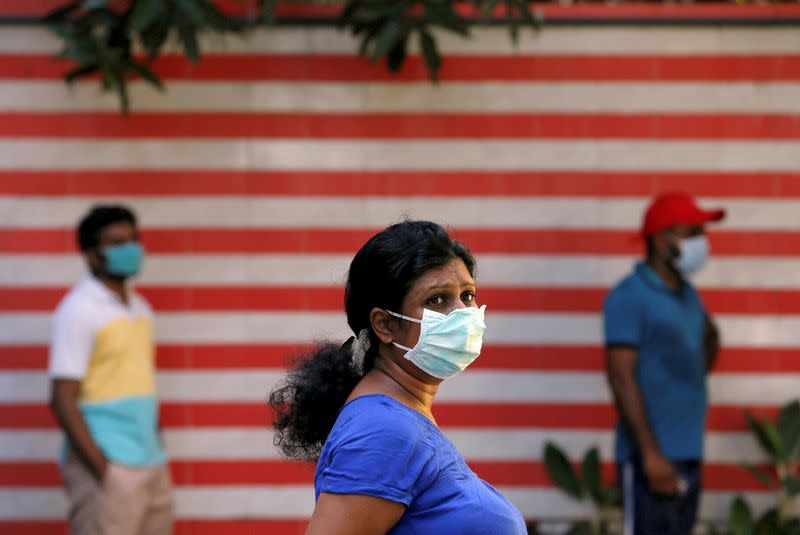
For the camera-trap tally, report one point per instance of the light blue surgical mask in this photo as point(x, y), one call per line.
point(125, 259)
point(448, 343)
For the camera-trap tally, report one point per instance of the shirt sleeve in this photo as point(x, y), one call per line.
point(382, 456)
point(71, 343)
point(622, 318)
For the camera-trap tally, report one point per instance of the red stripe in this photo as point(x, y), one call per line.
point(302, 298)
point(622, 11)
point(397, 183)
point(484, 68)
point(311, 240)
point(334, 125)
point(474, 415)
point(275, 472)
point(182, 527)
point(542, 358)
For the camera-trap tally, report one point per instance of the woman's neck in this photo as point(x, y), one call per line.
point(387, 377)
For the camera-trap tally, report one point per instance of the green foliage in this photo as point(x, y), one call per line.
point(101, 35)
point(561, 472)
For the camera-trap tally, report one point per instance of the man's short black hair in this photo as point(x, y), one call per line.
point(98, 218)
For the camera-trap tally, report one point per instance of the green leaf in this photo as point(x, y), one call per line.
point(764, 477)
point(580, 528)
point(792, 485)
point(741, 518)
point(769, 523)
point(80, 72)
point(145, 13)
point(762, 435)
point(789, 427)
point(192, 10)
point(792, 527)
point(269, 11)
point(775, 438)
point(390, 34)
point(146, 74)
point(590, 470)
point(122, 90)
point(561, 472)
point(430, 53)
point(488, 9)
point(188, 36)
point(94, 4)
point(527, 15)
point(442, 14)
point(154, 36)
point(397, 55)
point(61, 13)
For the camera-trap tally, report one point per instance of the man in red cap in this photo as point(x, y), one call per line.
point(660, 344)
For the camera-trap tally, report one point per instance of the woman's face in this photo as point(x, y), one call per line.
point(441, 289)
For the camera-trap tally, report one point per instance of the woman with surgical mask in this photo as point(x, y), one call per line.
point(363, 410)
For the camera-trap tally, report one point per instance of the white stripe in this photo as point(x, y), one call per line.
point(255, 443)
point(578, 271)
point(297, 501)
point(400, 154)
point(371, 212)
point(551, 40)
point(491, 386)
point(502, 328)
point(480, 97)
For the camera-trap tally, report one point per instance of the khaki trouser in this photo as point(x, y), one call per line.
point(129, 501)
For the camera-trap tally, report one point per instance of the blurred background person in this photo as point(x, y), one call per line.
point(660, 344)
point(103, 388)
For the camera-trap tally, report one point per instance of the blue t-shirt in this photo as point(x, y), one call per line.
point(380, 447)
point(667, 327)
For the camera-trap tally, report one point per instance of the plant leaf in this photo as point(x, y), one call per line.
point(590, 471)
point(188, 36)
point(741, 517)
point(488, 9)
point(792, 485)
point(269, 11)
point(761, 475)
point(144, 13)
point(442, 14)
point(774, 437)
point(193, 11)
point(761, 434)
point(430, 53)
point(80, 72)
point(94, 4)
point(146, 74)
point(390, 34)
point(561, 472)
point(61, 13)
point(397, 55)
point(789, 428)
point(769, 523)
point(154, 36)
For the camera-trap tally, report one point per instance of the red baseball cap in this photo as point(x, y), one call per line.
point(671, 209)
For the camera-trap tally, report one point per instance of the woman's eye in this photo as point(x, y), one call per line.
point(468, 297)
point(436, 300)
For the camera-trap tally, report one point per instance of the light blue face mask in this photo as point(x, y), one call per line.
point(125, 259)
point(448, 343)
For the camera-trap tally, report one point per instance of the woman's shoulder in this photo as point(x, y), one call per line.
point(381, 416)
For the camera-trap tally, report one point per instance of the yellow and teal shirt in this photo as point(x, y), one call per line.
point(108, 346)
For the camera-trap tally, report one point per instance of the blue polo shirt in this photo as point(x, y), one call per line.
point(667, 327)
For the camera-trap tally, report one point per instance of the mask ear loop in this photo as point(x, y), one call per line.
point(407, 318)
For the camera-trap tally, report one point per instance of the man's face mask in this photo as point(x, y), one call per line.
point(123, 260)
point(693, 254)
point(448, 343)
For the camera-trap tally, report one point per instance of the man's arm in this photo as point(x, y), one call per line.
point(711, 344)
point(64, 404)
point(620, 369)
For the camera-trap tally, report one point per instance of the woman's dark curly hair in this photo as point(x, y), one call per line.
point(308, 401)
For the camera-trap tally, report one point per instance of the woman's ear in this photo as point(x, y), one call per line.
point(383, 325)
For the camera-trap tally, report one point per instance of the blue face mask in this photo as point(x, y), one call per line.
point(447, 343)
point(125, 259)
